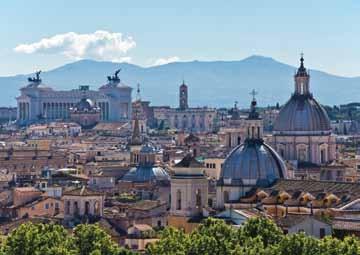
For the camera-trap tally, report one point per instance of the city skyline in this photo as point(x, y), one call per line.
point(148, 35)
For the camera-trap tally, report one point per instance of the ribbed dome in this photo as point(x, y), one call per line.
point(302, 113)
point(146, 174)
point(252, 163)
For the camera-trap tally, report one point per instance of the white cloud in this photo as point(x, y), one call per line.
point(101, 45)
point(163, 61)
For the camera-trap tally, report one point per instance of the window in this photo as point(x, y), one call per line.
point(198, 198)
point(282, 152)
point(323, 156)
point(46, 206)
point(97, 208)
point(76, 208)
point(226, 196)
point(210, 202)
point(178, 200)
point(67, 207)
point(302, 154)
point(87, 208)
point(322, 232)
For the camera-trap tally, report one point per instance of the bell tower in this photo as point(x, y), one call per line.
point(183, 96)
point(302, 79)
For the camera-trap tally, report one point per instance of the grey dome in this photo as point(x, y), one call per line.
point(146, 174)
point(302, 113)
point(252, 163)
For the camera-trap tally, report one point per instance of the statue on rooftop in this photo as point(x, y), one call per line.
point(115, 77)
point(35, 79)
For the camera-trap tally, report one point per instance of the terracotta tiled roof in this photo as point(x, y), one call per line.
point(317, 187)
point(83, 191)
point(346, 224)
point(147, 205)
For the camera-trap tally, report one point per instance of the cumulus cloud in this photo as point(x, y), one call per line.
point(100, 45)
point(163, 61)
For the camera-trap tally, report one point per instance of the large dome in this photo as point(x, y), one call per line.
point(252, 163)
point(302, 113)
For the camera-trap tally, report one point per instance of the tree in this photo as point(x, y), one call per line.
point(298, 244)
point(333, 246)
point(172, 242)
point(213, 236)
point(30, 239)
point(264, 228)
point(90, 239)
point(52, 239)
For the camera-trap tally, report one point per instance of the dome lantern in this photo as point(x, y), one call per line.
point(302, 79)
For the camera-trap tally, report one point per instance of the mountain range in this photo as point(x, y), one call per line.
point(211, 83)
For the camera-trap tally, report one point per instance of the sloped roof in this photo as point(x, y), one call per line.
point(83, 191)
point(189, 161)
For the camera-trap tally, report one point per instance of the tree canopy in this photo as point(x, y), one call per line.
point(52, 239)
point(257, 236)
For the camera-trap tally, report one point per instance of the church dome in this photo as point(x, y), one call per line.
point(252, 163)
point(144, 173)
point(302, 114)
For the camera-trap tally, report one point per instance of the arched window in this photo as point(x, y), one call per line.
point(178, 200)
point(76, 208)
point(87, 208)
point(323, 156)
point(302, 154)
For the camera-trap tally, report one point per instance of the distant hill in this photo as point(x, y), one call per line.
point(213, 83)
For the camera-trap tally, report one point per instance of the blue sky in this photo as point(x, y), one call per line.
point(328, 32)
